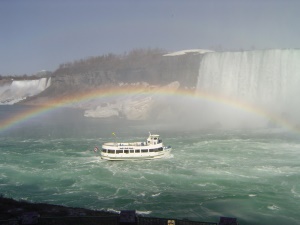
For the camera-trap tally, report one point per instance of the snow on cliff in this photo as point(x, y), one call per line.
point(136, 107)
point(183, 52)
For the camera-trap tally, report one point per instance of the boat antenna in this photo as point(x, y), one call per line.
point(113, 134)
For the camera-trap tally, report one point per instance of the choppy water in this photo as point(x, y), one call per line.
point(252, 175)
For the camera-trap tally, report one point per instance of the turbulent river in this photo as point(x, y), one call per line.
point(253, 175)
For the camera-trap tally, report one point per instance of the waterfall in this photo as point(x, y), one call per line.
point(267, 78)
point(18, 90)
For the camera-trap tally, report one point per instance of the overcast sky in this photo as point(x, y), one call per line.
point(41, 34)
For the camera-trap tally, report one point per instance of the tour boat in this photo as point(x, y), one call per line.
point(152, 148)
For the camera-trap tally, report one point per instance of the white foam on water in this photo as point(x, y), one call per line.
point(140, 177)
point(212, 171)
point(207, 184)
point(273, 207)
point(139, 212)
point(3, 175)
point(295, 193)
point(111, 210)
point(250, 176)
point(155, 195)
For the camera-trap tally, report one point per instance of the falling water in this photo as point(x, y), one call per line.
point(18, 90)
point(269, 79)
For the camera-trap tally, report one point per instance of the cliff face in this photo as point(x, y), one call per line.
point(149, 66)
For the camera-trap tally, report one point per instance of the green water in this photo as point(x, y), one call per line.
point(252, 175)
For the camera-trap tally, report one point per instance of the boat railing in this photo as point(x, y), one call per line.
point(131, 144)
point(125, 144)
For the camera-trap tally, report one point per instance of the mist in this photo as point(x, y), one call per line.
point(240, 90)
point(233, 90)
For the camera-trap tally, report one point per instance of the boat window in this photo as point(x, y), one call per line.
point(144, 150)
point(137, 151)
point(151, 150)
point(119, 151)
point(104, 150)
point(131, 151)
point(111, 151)
point(160, 149)
point(126, 151)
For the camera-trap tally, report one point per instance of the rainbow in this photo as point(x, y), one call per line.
point(103, 93)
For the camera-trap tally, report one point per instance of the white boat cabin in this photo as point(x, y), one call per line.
point(151, 149)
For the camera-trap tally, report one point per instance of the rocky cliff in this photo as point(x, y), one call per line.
point(153, 68)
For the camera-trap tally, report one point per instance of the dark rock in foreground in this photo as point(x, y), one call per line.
point(11, 209)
